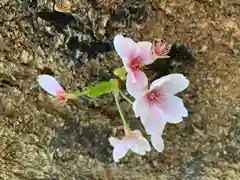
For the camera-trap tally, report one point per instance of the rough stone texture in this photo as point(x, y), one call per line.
point(40, 139)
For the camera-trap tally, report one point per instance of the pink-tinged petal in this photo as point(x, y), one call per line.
point(114, 141)
point(173, 109)
point(49, 84)
point(145, 144)
point(170, 84)
point(139, 145)
point(120, 150)
point(145, 52)
point(155, 113)
point(125, 47)
point(154, 125)
point(157, 142)
point(136, 83)
point(135, 146)
point(141, 106)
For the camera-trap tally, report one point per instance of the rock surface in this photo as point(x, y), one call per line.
point(40, 139)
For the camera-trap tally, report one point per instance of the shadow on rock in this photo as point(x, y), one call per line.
point(91, 48)
point(129, 12)
point(60, 20)
point(91, 140)
point(181, 60)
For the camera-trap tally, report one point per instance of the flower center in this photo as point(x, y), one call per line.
point(153, 97)
point(135, 64)
point(130, 135)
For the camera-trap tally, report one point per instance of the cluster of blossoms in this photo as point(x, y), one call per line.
point(155, 105)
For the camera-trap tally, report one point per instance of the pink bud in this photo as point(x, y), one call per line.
point(51, 86)
point(160, 48)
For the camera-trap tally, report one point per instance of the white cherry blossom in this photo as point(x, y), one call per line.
point(132, 140)
point(159, 104)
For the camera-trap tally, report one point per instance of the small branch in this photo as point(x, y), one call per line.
point(125, 124)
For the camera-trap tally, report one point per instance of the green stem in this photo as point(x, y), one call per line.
point(74, 95)
point(125, 124)
point(125, 97)
point(80, 93)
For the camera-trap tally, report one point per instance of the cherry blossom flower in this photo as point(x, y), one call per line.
point(159, 104)
point(52, 86)
point(160, 48)
point(133, 140)
point(134, 56)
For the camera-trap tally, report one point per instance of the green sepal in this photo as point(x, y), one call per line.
point(121, 73)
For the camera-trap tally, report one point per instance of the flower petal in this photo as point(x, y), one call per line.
point(154, 125)
point(145, 52)
point(136, 149)
point(173, 109)
point(137, 133)
point(141, 106)
point(139, 145)
point(114, 141)
point(152, 117)
point(125, 47)
point(136, 83)
point(49, 84)
point(170, 84)
point(145, 143)
point(157, 142)
point(120, 150)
